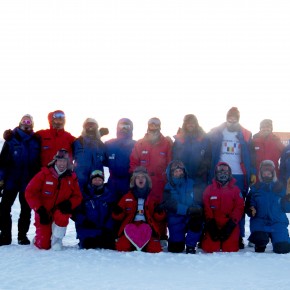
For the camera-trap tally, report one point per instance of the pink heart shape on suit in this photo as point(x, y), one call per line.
point(138, 234)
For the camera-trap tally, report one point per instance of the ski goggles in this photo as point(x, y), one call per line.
point(58, 115)
point(26, 122)
point(222, 167)
point(124, 126)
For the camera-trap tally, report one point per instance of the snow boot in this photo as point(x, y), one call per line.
point(57, 236)
point(190, 250)
point(23, 240)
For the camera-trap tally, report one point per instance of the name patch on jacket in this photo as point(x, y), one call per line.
point(128, 199)
point(213, 197)
point(144, 152)
point(49, 182)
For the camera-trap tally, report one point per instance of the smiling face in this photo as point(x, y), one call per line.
point(61, 164)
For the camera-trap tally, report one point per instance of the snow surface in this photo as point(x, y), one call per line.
point(26, 267)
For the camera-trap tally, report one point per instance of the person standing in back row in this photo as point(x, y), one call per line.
point(231, 144)
point(19, 162)
point(266, 146)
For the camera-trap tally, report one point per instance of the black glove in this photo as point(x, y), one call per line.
point(227, 230)
point(65, 207)
point(213, 230)
point(103, 131)
point(171, 205)
point(117, 209)
point(194, 211)
point(89, 224)
point(44, 217)
point(159, 208)
point(7, 135)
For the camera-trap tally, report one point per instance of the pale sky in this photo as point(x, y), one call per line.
point(140, 59)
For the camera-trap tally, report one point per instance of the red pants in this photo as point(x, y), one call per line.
point(43, 232)
point(229, 245)
point(124, 245)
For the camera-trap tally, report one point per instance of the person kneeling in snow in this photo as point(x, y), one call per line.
point(93, 218)
point(53, 193)
point(139, 220)
point(266, 205)
point(184, 212)
point(223, 208)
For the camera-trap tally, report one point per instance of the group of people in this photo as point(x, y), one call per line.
point(192, 191)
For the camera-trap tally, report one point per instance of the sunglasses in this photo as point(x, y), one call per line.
point(58, 115)
point(125, 126)
point(223, 168)
point(26, 122)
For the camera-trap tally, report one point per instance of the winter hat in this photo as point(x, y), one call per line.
point(61, 154)
point(176, 164)
point(27, 120)
point(267, 165)
point(124, 128)
point(54, 115)
point(155, 121)
point(233, 112)
point(95, 132)
point(97, 173)
point(266, 123)
point(223, 172)
point(188, 119)
point(140, 170)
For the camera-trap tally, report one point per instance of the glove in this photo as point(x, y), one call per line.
point(89, 224)
point(117, 209)
point(194, 211)
point(213, 230)
point(44, 217)
point(253, 179)
point(103, 131)
point(171, 205)
point(227, 230)
point(65, 207)
point(159, 208)
point(7, 135)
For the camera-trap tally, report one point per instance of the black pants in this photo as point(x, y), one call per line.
point(6, 204)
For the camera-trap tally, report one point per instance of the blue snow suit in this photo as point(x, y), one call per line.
point(285, 165)
point(19, 162)
point(93, 218)
point(182, 194)
point(89, 155)
point(271, 206)
point(118, 151)
point(194, 151)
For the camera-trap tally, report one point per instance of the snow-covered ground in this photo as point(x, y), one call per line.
point(25, 267)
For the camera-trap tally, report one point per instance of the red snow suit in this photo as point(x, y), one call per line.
point(222, 204)
point(155, 157)
point(53, 140)
point(48, 190)
point(129, 205)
